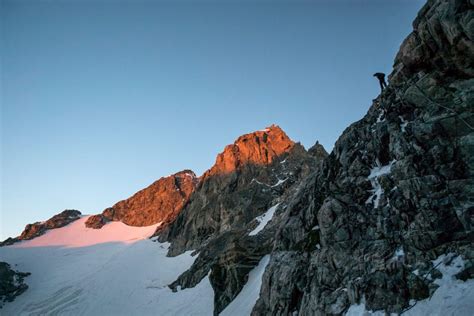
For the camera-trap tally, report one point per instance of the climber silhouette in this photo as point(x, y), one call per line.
point(381, 77)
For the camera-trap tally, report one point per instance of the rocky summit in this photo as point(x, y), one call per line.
point(383, 224)
point(258, 148)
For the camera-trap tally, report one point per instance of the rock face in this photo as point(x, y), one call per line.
point(160, 202)
point(259, 148)
point(11, 283)
point(249, 177)
point(235, 190)
point(39, 228)
point(397, 190)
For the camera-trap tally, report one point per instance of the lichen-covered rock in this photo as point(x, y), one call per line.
point(11, 283)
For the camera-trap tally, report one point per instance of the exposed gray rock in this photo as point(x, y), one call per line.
point(11, 283)
point(258, 171)
point(398, 181)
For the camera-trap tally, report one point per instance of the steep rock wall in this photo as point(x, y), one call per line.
point(395, 193)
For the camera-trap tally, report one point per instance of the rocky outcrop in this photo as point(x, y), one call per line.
point(39, 228)
point(246, 177)
point(96, 221)
point(249, 177)
point(395, 193)
point(159, 202)
point(11, 283)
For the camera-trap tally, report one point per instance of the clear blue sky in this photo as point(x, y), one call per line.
point(101, 98)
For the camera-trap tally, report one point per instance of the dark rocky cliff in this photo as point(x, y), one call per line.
point(245, 179)
point(397, 190)
point(249, 176)
point(395, 193)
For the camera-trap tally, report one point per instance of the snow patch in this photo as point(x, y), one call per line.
point(264, 219)
point(377, 190)
point(399, 253)
point(267, 185)
point(403, 125)
point(381, 117)
point(261, 183)
point(279, 182)
point(248, 296)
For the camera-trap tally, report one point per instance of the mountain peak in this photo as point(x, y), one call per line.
point(259, 148)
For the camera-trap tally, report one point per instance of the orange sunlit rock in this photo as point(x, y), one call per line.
point(159, 202)
point(259, 148)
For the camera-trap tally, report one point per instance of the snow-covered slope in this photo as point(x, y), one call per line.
point(116, 270)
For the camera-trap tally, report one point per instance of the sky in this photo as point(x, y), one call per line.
point(101, 98)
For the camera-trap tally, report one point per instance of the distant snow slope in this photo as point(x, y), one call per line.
point(116, 270)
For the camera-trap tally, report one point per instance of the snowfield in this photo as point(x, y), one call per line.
point(115, 270)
